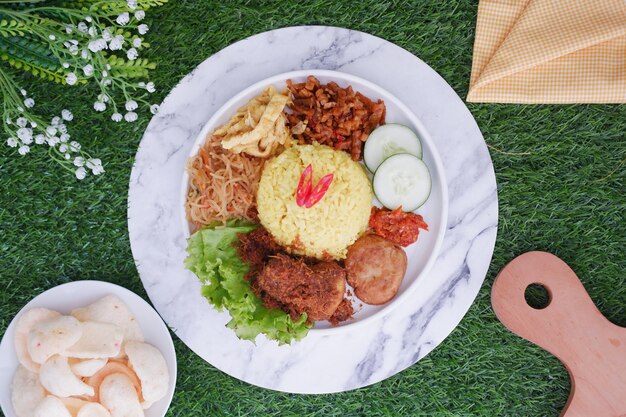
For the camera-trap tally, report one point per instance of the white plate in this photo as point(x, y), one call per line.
point(64, 298)
point(422, 254)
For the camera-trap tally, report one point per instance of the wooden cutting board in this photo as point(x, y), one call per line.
point(570, 327)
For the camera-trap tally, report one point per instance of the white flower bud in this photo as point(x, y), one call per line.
point(81, 173)
point(132, 54)
point(154, 108)
point(131, 105)
point(82, 26)
point(116, 117)
point(12, 142)
point(67, 115)
point(130, 116)
point(21, 121)
point(40, 139)
point(29, 103)
point(71, 78)
point(99, 106)
point(23, 150)
point(123, 19)
point(116, 43)
point(140, 14)
point(79, 161)
point(142, 29)
point(137, 42)
point(150, 87)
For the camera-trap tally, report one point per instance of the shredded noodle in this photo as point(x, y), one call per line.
point(222, 185)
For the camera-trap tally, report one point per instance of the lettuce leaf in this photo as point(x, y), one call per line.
point(212, 256)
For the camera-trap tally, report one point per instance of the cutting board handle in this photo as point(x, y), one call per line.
point(568, 313)
point(570, 327)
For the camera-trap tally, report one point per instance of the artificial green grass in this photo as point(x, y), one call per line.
point(560, 172)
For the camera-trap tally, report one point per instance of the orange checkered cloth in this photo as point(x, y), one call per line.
point(549, 51)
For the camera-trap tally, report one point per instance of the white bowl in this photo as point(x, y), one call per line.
point(423, 253)
point(66, 297)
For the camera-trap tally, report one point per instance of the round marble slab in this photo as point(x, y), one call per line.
point(336, 362)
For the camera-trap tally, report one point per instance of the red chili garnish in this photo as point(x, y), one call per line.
point(320, 189)
point(304, 186)
point(306, 195)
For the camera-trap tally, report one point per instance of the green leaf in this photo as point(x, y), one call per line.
point(213, 258)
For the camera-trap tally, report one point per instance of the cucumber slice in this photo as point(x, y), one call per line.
point(388, 140)
point(402, 180)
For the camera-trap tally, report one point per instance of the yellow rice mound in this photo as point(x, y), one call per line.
point(325, 230)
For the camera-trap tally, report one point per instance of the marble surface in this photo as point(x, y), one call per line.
point(325, 363)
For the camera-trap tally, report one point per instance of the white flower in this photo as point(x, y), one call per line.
point(140, 14)
point(71, 78)
point(106, 81)
point(68, 30)
point(8, 120)
point(81, 173)
point(25, 135)
point(64, 137)
point(107, 35)
point(12, 142)
point(51, 130)
point(131, 116)
point(95, 165)
point(52, 37)
point(123, 19)
point(62, 128)
point(137, 42)
point(21, 121)
point(53, 140)
point(88, 70)
point(142, 29)
point(116, 43)
point(104, 73)
point(131, 105)
point(73, 41)
point(55, 120)
point(103, 98)
point(74, 146)
point(23, 92)
point(99, 106)
point(23, 150)
point(97, 45)
point(82, 26)
point(40, 139)
point(29, 102)
point(79, 161)
point(132, 4)
point(63, 148)
point(108, 67)
point(65, 65)
point(150, 87)
point(92, 31)
point(132, 54)
point(68, 156)
point(88, 18)
point(73, 49)
point(20, 108)
point(33, 124)
point(154, 108)
point(116, 117)
point(84, 54)
point(67, 115)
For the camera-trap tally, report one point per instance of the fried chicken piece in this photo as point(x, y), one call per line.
point(313, 289)
point(376, 268)
point(255, 248)
point(344, 312)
